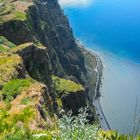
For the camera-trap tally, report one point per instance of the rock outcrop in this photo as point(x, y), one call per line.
point(40, 58)
point(71, 94)
point(11, 66)
point(66, 58)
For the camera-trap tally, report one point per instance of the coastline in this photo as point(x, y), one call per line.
point(96, 97)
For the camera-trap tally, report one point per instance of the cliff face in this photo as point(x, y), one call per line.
point(36, 45)
point(43, 74)
point(46, 23)
point(52, 29)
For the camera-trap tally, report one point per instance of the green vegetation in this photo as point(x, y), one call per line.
point(27, 114)
point(21, 47)
point(20, 16)
point(13, 11)
point(66, 86)
point(5, 7)
point(10, 124)
point(26, 101)
point(4, 41)
point(14, 87)
point(78, 128)
point(9, 65)
point(8, 58)
point(20, 126)
point(24, 111)
point(114, 135)
point(3, 48)
point(26, 45)
point(59, 103)
point(16, 127)
point(4, 60)
point(22, 119)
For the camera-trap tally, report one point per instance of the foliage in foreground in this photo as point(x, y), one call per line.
point(78, 128)
point(70, 128)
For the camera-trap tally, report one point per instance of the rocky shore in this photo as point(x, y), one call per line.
point(95, 69)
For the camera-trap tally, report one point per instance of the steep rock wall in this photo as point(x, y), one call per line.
point(51, 27)
point(46, 24)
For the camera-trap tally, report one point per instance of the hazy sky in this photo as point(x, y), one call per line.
point(74, 3)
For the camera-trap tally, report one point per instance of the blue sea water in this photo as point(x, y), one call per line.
point(112, 25)
point(112, 28)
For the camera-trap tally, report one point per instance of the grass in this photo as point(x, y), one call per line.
point(3, 48)
point(6, 42)
point(14, 87)
point(25, 123)
point(23, 120)
point(4, 60)
point(21, 47)
point(66, 86)
point(12, 11)
point(9, 123)
point(20, 16)
point(59, 103)
point(5, 8)
point(8, 66)
point(26, 45)
point(27, 114)
point(114, 135)
point(26, 101)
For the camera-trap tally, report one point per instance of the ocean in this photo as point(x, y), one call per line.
point(111, 25)
point(112, 29)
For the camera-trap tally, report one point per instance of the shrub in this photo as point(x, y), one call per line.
point(77, 127)
point(20, 134)
point(8, 123)
point(14, 87)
